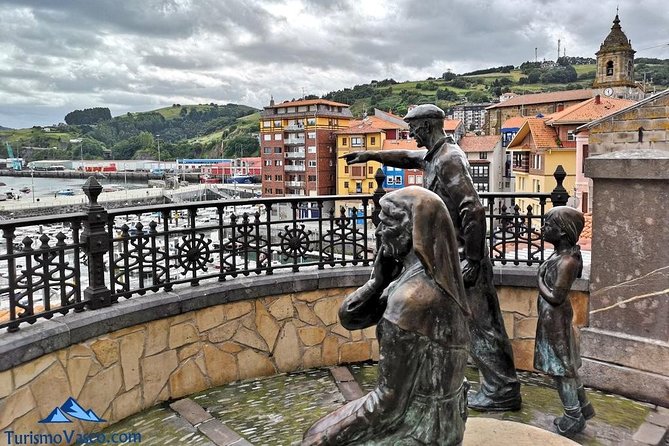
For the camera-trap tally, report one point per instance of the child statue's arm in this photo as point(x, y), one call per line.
point(567, 269)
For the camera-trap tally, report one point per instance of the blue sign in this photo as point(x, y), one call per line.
point(71, 409)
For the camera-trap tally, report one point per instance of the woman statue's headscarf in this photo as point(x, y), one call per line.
point(434, 240)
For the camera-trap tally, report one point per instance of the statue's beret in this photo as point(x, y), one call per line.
point(425, 111)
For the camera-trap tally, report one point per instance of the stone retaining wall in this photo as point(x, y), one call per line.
point(120, 360)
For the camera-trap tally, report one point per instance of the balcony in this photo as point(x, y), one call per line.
point(294, 141)
point(294, 168)
point(295, 183)
point(297, 154)
point(293, 127)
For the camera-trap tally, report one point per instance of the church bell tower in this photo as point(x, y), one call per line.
point(615, 65)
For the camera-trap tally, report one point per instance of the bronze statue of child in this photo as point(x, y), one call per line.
point(556, 351)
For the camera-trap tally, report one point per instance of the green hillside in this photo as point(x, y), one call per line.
point(182, 131)
point(230, 130)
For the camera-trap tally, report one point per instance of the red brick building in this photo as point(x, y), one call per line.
point(297, 146)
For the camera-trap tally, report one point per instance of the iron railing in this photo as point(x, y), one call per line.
point(132, 251)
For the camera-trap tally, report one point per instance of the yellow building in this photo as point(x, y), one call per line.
point(537, 151)
point(358, 178)
point(542, 144)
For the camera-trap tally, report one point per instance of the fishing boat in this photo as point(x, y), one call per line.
point(65, 193)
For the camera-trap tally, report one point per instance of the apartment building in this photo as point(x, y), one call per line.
point(297, 146)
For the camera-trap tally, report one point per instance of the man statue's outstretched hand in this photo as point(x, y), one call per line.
point(356, 157)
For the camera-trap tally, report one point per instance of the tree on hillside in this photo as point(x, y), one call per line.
point(88, 116)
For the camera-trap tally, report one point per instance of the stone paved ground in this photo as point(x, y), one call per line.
point(275, 411)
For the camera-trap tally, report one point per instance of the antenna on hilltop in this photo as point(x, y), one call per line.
point(558, 50)
point(303, 95)
point(535, 54)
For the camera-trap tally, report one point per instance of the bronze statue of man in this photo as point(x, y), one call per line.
point(421, 322)
point(447, 174)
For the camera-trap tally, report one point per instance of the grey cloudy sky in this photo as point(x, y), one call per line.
point(135, 55)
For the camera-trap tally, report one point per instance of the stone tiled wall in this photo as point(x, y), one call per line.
point(125, 371)
point(621, 131)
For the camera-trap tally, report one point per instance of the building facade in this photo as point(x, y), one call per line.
point(473, 116)
point(297, 146)
point(485, 156)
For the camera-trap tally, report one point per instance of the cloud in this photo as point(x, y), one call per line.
point(59, 56)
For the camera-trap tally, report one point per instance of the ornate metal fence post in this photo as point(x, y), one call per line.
point(96, 243)
point(559, 196)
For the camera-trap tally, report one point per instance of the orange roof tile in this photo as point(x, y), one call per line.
point(450, 125)
point(308, 102)
point(382, 123)
point(545, 98)
point(515, 122)
point(589, 110)
point(400, 144)
point(359, 128)
point(478, 143)
point(544, 136)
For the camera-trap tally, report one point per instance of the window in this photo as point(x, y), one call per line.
point(311, 177)
point(278, 162)
point(311, 121)
point(312, 108)
point(344, 142)
point(268, 162)
point(311, 135)
point(312, 149)
point(278, 178)
point(302, 108)
point(312, 163)
point(357, 171)
point(483, 155)
point(370, 170)
point(277, 149)
point(370, 185)
point(346, 169)
point(538, 188)
point(356, 141)
point(609, 68)
point(536, 161)
point(345, 184)
point(281, 111)
point(411, 179)
point(278, 137)
point(266, 124)
point(419, 179)
point(269, 190)
point(277, 123)
point(291, 110)
point(268, 177)
point(267, 150)
point(372, 140)
point(570, 135)
point(398, 180)
point(390, 180)
point(267, 137)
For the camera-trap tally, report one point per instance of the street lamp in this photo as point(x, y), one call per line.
point(32, 183)
point(158, 141)
point(81, 149)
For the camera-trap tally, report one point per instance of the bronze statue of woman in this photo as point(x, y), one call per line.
point(421, 319)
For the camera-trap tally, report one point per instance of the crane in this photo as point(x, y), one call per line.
point(13, 163)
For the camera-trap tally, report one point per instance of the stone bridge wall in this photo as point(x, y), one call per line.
point(131, 356)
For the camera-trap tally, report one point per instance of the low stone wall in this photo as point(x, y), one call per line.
point(131, 356)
